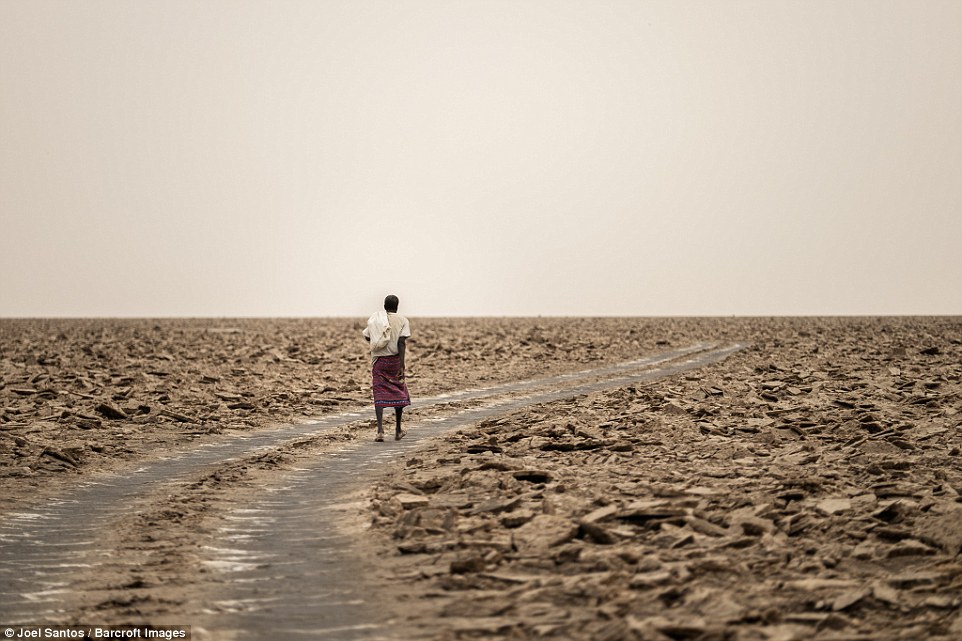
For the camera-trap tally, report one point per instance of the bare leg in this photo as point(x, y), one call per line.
point(379, 413)
point(398, 433)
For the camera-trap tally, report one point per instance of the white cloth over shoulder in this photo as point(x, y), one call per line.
point(383, 330)
point(378, 330)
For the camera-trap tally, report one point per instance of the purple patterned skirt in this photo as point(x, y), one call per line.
point(389, 390)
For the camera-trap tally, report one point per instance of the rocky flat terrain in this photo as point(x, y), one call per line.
point(81, 396)
point(805, 487)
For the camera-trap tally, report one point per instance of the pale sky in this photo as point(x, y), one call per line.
point(482, 158)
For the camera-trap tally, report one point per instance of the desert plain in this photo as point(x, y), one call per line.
point(805, 487)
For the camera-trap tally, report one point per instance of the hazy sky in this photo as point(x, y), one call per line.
point(304, 158)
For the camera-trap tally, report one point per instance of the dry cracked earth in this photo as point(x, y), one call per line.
point(807, 487)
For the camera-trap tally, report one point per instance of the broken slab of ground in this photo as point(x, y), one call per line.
point(802, 489)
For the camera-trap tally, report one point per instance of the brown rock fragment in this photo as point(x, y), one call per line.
point(942, 530)
point(909, 547)
point(815, 584)
point(828, 507)
point(410, 501)
point(111, 411)
point(886, 594)
point(544, 531)
point(600, 514)
point(753, 525)
point(705, 527)
point(849, 598)
point(649, 580)
point(649, 510)
point(180, 418)
point(468, 565)
point(597, 533)
point(66, 456)
point(496, 506)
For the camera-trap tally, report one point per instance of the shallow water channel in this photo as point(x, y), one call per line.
point(287, 566)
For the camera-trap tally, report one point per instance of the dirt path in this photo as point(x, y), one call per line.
point(249, 536)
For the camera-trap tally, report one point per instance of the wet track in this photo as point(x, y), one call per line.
point(286, 561)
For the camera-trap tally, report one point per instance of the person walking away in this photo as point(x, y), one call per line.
point(387, 333)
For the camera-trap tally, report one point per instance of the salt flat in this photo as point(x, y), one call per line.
point(804, 487)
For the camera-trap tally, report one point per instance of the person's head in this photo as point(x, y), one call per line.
point(390, 303)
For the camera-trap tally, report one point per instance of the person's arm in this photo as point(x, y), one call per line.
point(401, 342)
